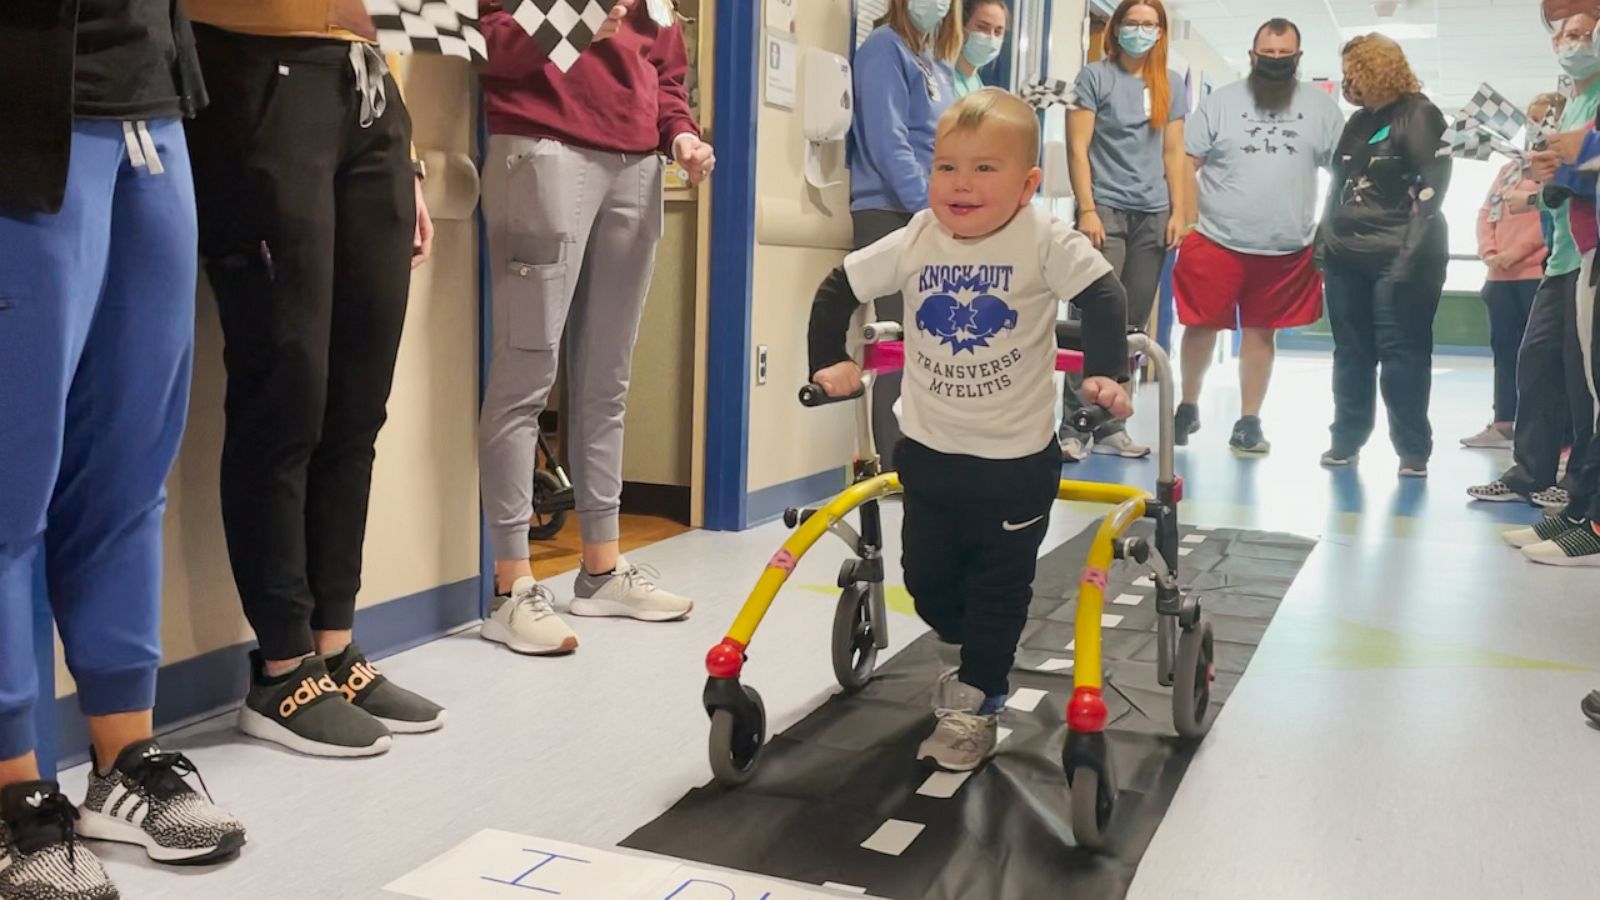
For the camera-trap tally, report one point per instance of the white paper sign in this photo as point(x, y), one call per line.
point(783, 69)
point(780, 15)
point(500, 865)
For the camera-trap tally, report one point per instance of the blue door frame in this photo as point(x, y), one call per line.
point(733, 213)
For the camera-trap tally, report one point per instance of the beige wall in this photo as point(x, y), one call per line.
point(423, 529)
point(801, 233)
point(658, 434)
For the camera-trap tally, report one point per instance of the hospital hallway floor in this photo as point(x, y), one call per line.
point(1409, 727)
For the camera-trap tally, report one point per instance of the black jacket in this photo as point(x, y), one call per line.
point(38, 46)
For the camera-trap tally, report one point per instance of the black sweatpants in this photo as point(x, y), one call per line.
point(1552, 391)
point(871, 226)
point(1380, 323)
point(970, 545)
point(1510, 303)
point(1583, 468)
point(306, 224)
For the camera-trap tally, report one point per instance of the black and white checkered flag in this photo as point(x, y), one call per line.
point(1045, 93)
point(438, 27)
point(563, 29)
point(1490, 109)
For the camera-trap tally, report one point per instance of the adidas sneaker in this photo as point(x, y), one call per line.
point(400, 710)
point(144, 800)
point(306, 712)
point(40, 857)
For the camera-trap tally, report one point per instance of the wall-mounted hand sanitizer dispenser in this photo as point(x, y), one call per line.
point(829, 104)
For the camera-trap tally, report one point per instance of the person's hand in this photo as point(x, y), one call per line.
point(1091, 227)
point(1495, 261)
point(839, 380)
point(696, 156)
point(1175, 232)
point(422, 239)
point(1102, 391)
point(1542, 164)
point(1565, 145)
point(613, 22)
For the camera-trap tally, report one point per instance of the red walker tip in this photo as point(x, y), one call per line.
point(1177, 489)
point(726, 659)
point(1086, 714)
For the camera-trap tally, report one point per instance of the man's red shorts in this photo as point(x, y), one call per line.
point(1213, 283)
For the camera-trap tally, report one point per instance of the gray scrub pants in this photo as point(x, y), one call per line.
point(572, 240)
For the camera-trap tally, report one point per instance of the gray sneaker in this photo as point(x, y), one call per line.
point(963, 739)
point(1120, 444)
point(1075, 445)
point(306, 712)
point(629, 591)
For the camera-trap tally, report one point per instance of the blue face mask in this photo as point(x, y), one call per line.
point(981, 49)
point(1580, 60)
point(1138, 39)
point(927, 14)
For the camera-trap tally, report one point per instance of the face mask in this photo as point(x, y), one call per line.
point(927, 14)
point(981, 49)
point(1138, 39)
point(1579, 60)
point(1276, 68)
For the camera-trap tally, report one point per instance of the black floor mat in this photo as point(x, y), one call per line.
point(831, 781)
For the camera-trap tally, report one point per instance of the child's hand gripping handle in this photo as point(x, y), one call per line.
point(816, 395)
point(1090, 418)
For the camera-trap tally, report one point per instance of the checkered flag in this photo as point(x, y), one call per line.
point(1045, 93)
point(438, 27)
point(562, 28)
point(1490, 109)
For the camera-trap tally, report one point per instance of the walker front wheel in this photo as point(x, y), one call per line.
point(737, 737)
point(855, 646)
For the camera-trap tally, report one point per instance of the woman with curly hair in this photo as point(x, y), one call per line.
point(1384, 249)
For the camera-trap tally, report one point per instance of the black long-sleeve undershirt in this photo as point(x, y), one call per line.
point(1103, 305)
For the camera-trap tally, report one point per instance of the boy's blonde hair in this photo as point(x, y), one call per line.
point(1007, 112)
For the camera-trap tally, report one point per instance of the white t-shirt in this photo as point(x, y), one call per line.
point(981, 332)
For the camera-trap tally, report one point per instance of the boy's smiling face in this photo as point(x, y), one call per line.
point(981, 178)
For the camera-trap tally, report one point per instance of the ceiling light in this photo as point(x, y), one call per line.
point(1396, 31)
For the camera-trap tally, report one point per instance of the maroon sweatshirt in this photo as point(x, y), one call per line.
point(624, 95)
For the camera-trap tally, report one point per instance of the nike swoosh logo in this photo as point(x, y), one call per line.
point(1018, 526)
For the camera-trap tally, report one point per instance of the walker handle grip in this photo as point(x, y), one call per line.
point(814, 395)
point(1091, 418)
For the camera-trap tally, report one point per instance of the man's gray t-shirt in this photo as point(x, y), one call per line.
point(1125, 162)
point(1258, 184)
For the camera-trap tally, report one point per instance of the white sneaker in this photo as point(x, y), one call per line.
point(630, 592)
point(526, 621)
point(1490, 438)
point(1074, 445)
point(1549, 529)
point(1120, 444)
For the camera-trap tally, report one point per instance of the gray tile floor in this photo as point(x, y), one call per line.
point(1409, 728)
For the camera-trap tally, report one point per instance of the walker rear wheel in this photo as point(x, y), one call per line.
point(545, 525)
point(855, 647)
point(1194, 673)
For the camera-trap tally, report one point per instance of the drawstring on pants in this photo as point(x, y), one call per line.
point(142, 151)
point(370, 69)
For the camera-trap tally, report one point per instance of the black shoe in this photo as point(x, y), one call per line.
point(145, 801)
point(1185, 421)
point(1247, 437)
point(39, 851)
point(1591, 706)
point(400, 710)
point(306, 712)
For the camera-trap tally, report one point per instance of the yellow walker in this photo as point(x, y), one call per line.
point(860, 625)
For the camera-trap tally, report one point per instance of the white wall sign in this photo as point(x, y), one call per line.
point(783, 69)
point(780, 15)
point(499, 865)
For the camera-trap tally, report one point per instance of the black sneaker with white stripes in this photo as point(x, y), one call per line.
point(144, 800)
point(40, 857)
point(1577, 546)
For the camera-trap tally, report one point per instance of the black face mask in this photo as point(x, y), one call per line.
point(1276, 68)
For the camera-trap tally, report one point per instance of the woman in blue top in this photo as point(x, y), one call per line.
point(904, 83)
point(1125, 156)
